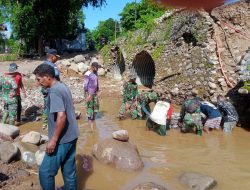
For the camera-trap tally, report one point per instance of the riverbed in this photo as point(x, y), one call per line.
point(223, 157)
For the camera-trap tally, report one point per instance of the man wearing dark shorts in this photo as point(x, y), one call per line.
point(63, 131)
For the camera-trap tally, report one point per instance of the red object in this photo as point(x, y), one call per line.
point(170, 111)
point(193, 4)
point(18, 79)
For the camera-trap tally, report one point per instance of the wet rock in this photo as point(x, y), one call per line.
point(212, 85)
point(121, 135)
point(8, 152)
point(123, 155)
point(39, 157)
point(32, 137)
point(79, 58)
point(149, 186)
point(197, 181)
point(9, 130)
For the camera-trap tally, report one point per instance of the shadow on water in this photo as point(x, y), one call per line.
point(84, 165)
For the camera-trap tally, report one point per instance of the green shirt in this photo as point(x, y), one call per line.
point(8, 88)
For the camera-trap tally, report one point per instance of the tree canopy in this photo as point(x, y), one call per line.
point(33, 20)
point(137, 15)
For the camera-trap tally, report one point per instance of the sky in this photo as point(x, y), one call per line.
point(111, 10)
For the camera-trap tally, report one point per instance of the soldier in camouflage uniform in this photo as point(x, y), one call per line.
point(130, 99)
point(145, 98)
point(190, 116)
point(8, 88)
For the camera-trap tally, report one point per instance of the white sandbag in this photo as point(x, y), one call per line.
point(159, 114)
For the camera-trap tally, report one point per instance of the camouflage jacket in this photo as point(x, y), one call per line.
point(8, 88)
point(147, 97)
point(190, 106)
point(130, 92)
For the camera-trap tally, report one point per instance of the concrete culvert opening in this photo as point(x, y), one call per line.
point(119, 63)
point(189, 38)
point(144, 66)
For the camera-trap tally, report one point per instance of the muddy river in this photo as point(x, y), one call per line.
point(224, 157)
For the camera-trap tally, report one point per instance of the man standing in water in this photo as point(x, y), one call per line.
point(91, 88)
point(62, 130)
point(130, 99)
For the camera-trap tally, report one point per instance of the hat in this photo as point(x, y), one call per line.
point(95, 64)
point(13, 67)
point(52, 52)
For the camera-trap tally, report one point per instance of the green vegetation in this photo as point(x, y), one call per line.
point(105, 53)
point(197, 32)
point(247, 85)
point(248, 67)
point(157, 52)
point(8, 57)
point(138, 15)
point(168, 29)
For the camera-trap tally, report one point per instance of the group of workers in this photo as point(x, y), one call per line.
point(196, 114)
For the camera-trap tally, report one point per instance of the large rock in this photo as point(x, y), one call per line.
point(29, 158)
point(39, 157)
point(123, 155)
point(79, 58)
point(4, 137)
point(197, 181)
point(74, 67)
point(82, 67)
point(8, 152)
point(9, 130)
point(24, 147)
point(149, 186)
point(32, 137)
point(65, 63)
point(121, 135)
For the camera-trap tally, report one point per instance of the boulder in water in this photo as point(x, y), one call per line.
point(197, 181)
point(123, 155)
point(121, 135)
point(149, 186)
point(32, 137)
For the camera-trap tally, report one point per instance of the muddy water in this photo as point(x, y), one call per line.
point(224, 157)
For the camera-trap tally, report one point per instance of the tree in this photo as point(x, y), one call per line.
point(38, 20)
point(104, 32)
point(137, 15)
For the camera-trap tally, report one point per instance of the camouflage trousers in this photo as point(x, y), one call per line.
point(135, 111)
point(92, 106)
point(9, 112)
point(160, 129)
point(192, 120)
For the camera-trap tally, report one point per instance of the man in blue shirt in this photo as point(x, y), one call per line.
point(62, 130)
point(213, 116)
